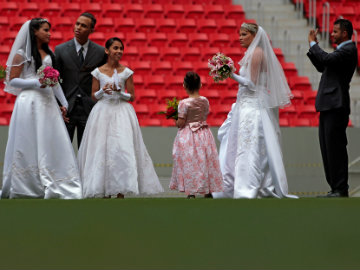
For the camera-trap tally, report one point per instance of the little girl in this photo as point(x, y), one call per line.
point(196, 167)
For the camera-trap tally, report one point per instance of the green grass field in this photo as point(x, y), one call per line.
point(178, 233)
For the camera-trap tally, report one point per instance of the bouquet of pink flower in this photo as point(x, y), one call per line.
point(48, 76)
point(221, 66)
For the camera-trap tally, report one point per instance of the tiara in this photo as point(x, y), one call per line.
point(250, 27)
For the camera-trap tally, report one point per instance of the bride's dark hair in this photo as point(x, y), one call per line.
point(35, 24)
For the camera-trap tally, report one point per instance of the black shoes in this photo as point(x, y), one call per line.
point(335, 194)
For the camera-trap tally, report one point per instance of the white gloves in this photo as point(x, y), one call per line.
point(125, 96)
point(243, 81)
point(99, 94)
point(59, 94)
point(25, 83)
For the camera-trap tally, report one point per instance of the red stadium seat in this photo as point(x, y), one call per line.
point(209, 52)
point(309, 97)
point(4, 53)
point(201, 67)
point(98, 37)
point(133, 11)
point(139, 82)
point(141, 67)
point(288, 112)
point(150, 122)
point(214, 122)
point(220, 110)
point(112, 10)
point(300, 83)
point(93, 8)
point(9, 9)
point(8, 37)
point(213, 96)
point(62, 24)
point(131, 53)
point(175, 82)
point(236, 54)
point(157, 39)
point(149, 53)
point(191, 54)
point(298, 98)
point(214, 11)
point(56, 38)
point(227, 26)
point(4, 23)
point(299, 122)
point(155, 109)
point(180, 68)
point(279, 54)
point(220, 85)
point(174, 11)
point(166, 25)
point(208, 26)
point(228, 97)
point(166, 95)
point(177, 39)
point(142, 110)
point(289, 69)
point(198, 40)
point(4, 121)
point(234, 12)
point(306, 111)
point(162, 68)
point(72, 10)
point(146, 25)
point(136, 39)
point(16, 25)
point(284, 122)
point(104, 25)
point(348, 12)
point(155, 82)
point(170, 54)
point(6, 110)
point(186, 25)
point(194, 11)
point(153, 11)
point(124, 25)
point(219, 40)
point(168, 122)
point(147, 96)
point(50, 10)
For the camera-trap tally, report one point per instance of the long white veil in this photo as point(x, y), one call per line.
point(20, 53)
point(264, 70)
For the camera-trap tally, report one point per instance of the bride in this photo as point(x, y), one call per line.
point(250, 152)
point(113, 158)
point(39, 158)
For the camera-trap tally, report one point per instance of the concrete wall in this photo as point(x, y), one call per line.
point(300, 149)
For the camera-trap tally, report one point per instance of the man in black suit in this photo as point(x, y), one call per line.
point(333, 102)
point(75, 60)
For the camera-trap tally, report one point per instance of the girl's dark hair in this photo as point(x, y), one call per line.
point(35, 24)
point(192, 81)
point(110, 42)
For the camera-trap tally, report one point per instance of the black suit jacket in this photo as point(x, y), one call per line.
point(78, 79)
point(337, 69)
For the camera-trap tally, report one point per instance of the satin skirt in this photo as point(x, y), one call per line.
point(250, 154)
point(39, 159)
point(112, 156)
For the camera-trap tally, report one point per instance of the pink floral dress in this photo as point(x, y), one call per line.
point(196, 166)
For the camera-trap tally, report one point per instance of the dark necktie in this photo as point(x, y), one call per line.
point(81, 56)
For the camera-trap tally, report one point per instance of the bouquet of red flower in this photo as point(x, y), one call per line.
point(221, 66)
point(48, 76)
point(172, 109)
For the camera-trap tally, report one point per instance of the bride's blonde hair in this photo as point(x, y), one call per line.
point(251, 27)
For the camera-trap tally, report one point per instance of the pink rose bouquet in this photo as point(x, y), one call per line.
point(48, 76)
point(221, 66)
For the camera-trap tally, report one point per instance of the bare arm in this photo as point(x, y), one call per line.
point(129, 84)
point(180, 123)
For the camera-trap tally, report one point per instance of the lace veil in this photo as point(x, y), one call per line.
point(19, 54)
point(264, 70)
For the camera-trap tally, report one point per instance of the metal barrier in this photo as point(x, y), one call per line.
point(312, 13)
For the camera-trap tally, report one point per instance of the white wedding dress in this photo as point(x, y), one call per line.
point(250, 152)
point(112, 156)
point(39, 158)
